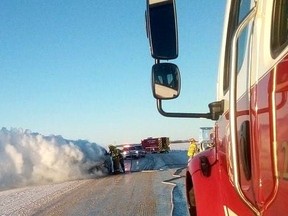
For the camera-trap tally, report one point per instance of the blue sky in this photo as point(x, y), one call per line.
point(82, 69)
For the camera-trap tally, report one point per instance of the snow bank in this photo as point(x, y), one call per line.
point(30, 158)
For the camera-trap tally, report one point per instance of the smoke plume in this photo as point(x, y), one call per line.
point(30, 158)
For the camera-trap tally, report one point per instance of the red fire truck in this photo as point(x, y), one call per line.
point(156, 145)
point(245, 172)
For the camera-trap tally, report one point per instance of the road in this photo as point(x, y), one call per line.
point(153, 185)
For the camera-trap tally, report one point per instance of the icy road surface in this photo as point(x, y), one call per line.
point(153, 185)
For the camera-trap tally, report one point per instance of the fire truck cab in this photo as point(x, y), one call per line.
point(156, 145)
point(246, 170)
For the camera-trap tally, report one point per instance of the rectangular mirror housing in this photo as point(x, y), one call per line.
point(161, 26)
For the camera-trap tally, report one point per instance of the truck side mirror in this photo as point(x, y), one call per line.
point(166, 85)
point(161, 27)
point(165, 81)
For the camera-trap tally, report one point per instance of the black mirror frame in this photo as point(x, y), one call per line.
point(156, 54)
point(178, 80)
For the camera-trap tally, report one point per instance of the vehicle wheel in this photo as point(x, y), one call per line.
point(192, 203)
point(190, 195)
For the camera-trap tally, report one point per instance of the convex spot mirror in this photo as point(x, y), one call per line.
point(165, 81)
point(161, 26)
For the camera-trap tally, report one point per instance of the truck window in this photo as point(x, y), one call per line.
point(279, 33)
point(239, 9)
point(242, 41)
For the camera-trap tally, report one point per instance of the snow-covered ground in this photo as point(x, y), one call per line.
point(23, 201)
point(179, 146)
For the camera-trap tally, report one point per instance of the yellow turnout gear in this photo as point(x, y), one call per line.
point(192, 149)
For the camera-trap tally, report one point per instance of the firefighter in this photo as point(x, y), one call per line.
point(192, 150)
point(116, 159)
point(121, 160)
point(112, 155)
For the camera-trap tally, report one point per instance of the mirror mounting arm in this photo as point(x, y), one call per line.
point(180, 115)
point(216, 109)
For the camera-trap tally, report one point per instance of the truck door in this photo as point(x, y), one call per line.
point(257, 132)
point(236, 90)
point(242, 72)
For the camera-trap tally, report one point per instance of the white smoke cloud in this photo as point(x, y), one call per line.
point(31, 158)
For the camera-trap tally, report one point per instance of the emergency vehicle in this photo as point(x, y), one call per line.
point(246, 170)
point(156, 145)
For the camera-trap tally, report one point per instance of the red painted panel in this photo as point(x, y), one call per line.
point(265, 122)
